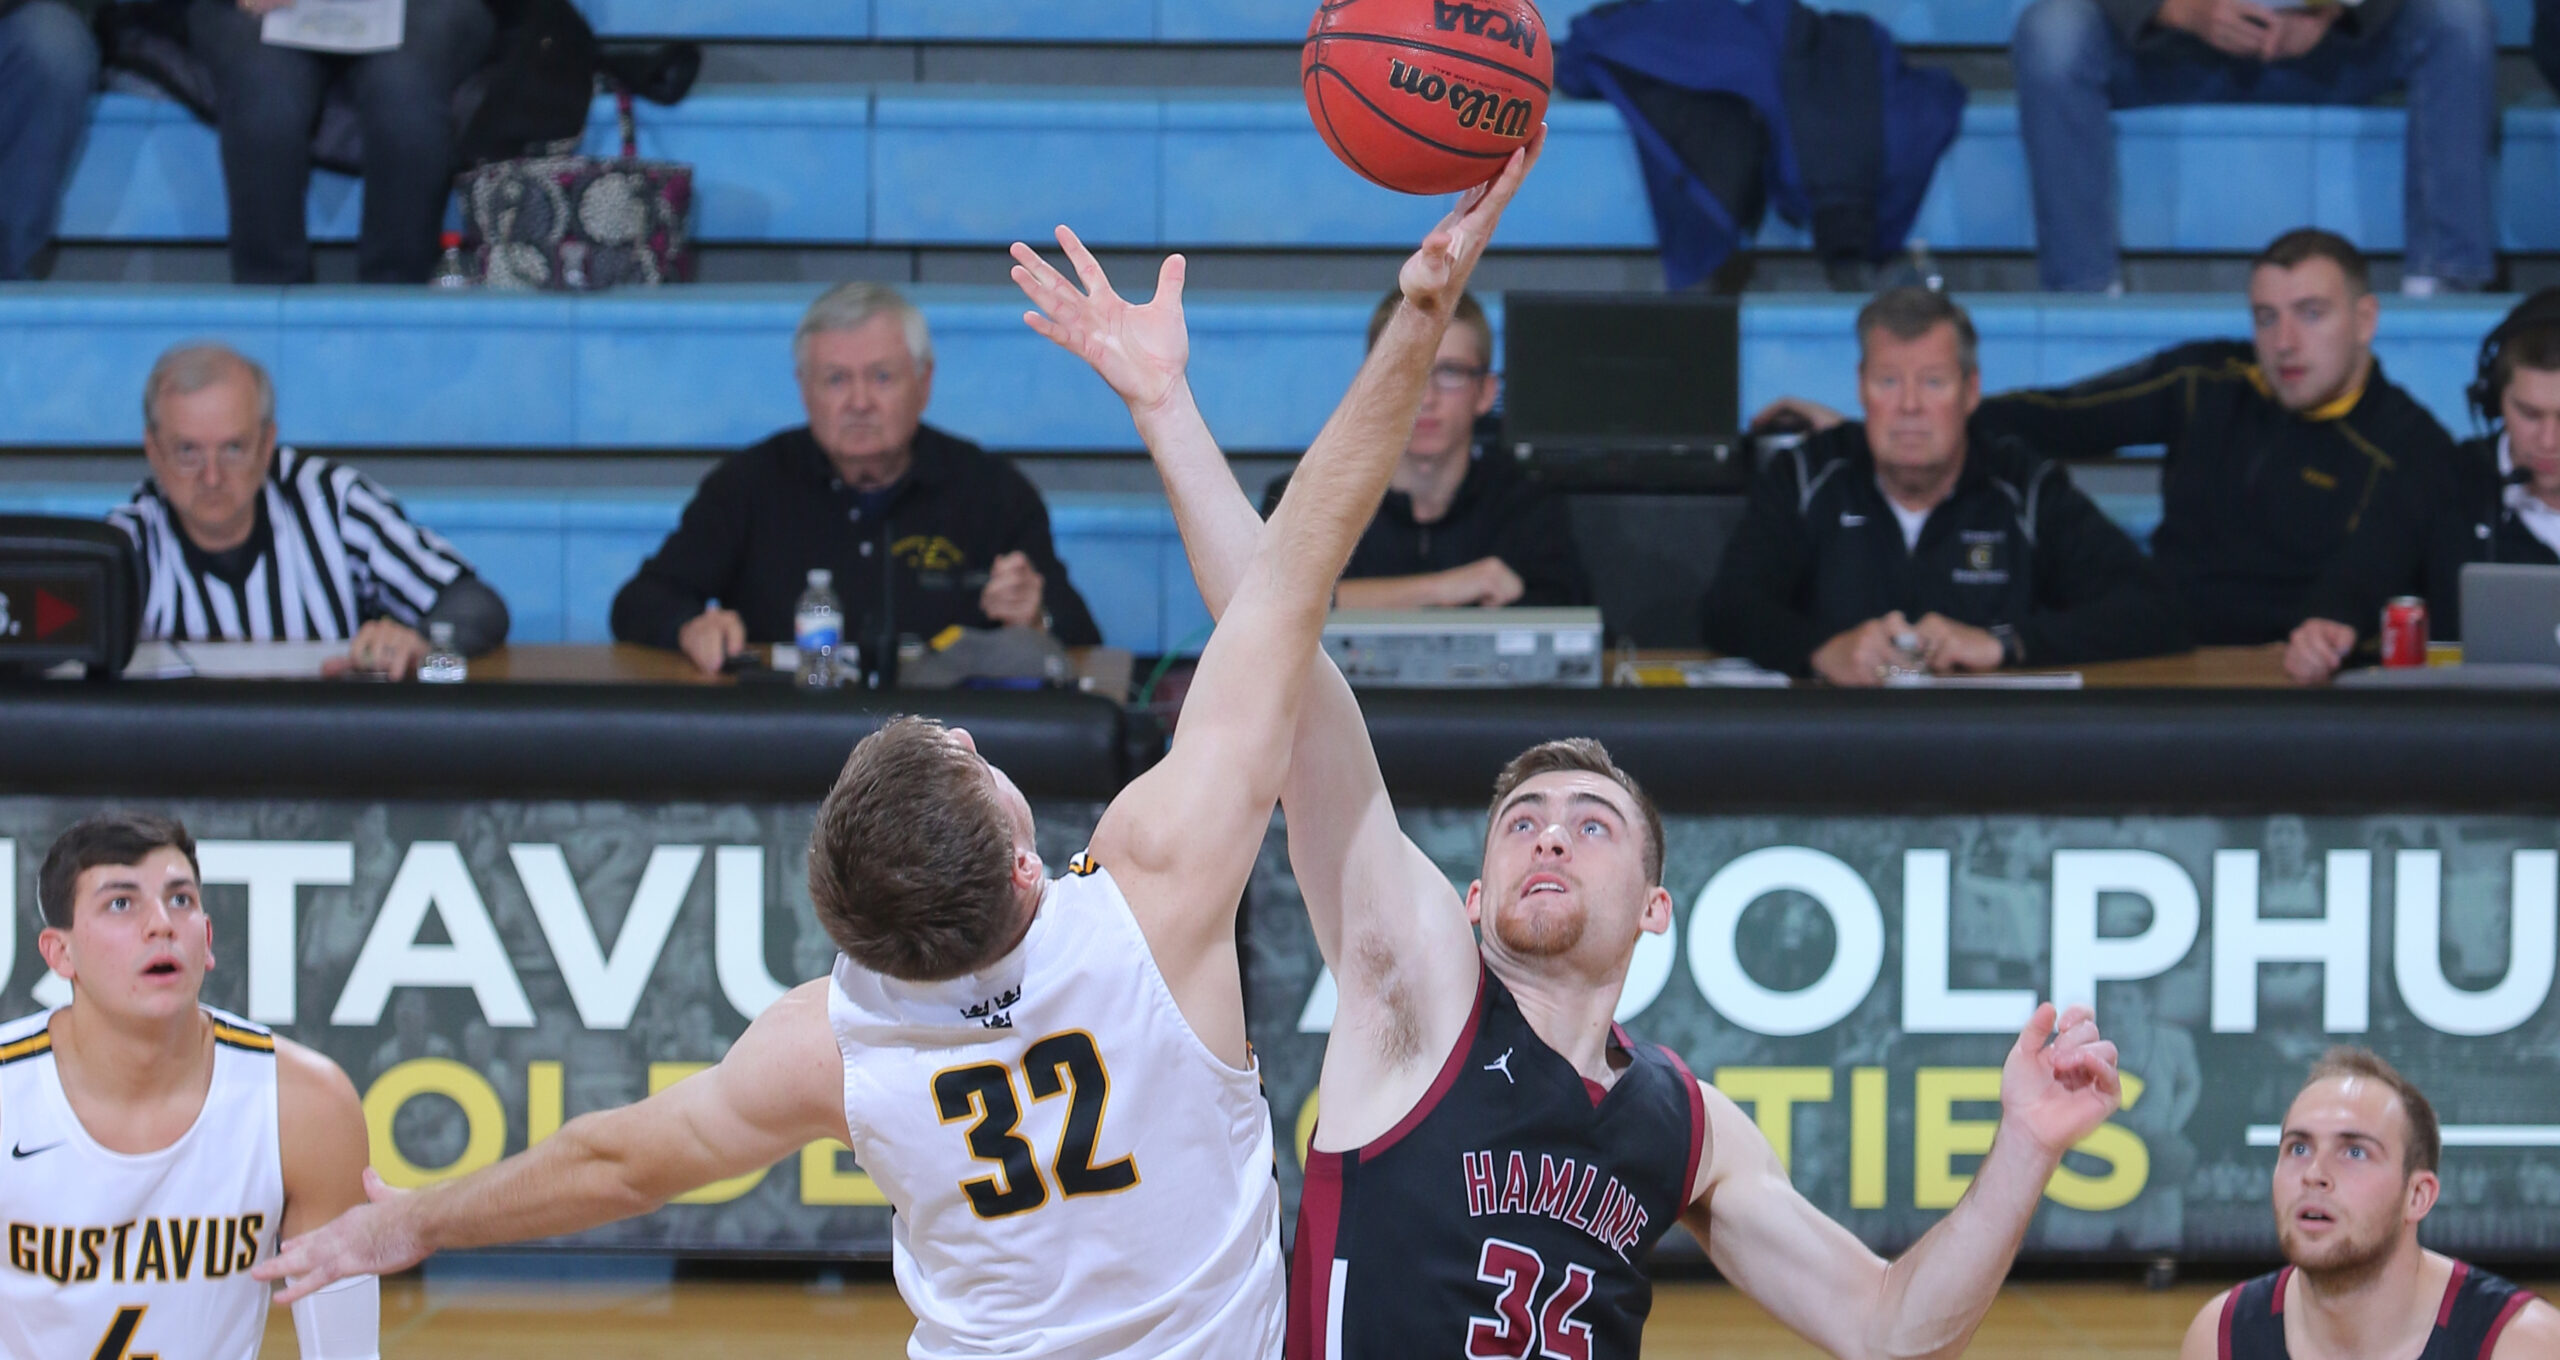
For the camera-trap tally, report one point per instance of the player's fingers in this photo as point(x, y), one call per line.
point(1088, 268)
point(2039, 1028)
point(1044, 286)
point(1043, 271)
point(1169, 279)
point(2073, 1016)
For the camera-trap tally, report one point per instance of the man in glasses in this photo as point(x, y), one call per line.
point(1459, 526)
point(242, 540)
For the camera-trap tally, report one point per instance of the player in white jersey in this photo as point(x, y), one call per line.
point(1049, 1080)
point(158, 1148)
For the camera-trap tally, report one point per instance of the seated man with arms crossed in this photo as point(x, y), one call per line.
point(2496, 499)
point(1025, 1226)
point(1910, 543)
point(158, 1147)
point(244, 540)
point(1460, 1078)
point(1460, 526)
point(2355, 1175)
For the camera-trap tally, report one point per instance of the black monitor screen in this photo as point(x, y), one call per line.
point(49, 608)
point(1603, 370)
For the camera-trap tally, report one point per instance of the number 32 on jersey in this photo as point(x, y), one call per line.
point(1066, 1064)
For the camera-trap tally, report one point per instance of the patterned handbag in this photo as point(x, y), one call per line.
point(580, 223)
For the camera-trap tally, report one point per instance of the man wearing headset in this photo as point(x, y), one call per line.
point(2496, 500)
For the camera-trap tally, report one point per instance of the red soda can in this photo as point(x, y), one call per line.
point(2404, 632)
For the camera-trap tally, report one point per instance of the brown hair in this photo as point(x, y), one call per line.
point(1468, 313)
point(1590, 757)
point(1909, 312)
point(911, 862)
point(2426, 1142)
point(2536, 348)
point(2304, 244)
point(111, 837)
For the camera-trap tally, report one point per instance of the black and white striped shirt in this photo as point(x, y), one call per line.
point(332, 550)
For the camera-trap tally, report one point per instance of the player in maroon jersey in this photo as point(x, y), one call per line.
point(2355, 1175)
point(1495, 1156)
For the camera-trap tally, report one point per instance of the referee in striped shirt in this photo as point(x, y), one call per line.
point(240, 540)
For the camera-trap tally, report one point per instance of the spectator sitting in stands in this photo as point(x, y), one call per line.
point(245, 541)
point(267, 100)
point(2275, 448)
point(2496, 499)
point(2078, 59)
point(48, 68)
point(971, 536)
point(1459, 526)
point(1908, 543)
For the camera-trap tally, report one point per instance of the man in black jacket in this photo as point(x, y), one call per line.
point(1905, 543)
point(864, 484)
point(2496, 499)
point(1458, 526)
point(2276, 448)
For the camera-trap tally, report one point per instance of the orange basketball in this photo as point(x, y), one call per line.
point(1426, 96)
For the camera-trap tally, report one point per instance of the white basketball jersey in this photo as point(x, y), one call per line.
point(119, 1257)
point(1073, 1172)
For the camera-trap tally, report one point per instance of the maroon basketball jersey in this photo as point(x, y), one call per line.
point(2477, 1307)
point(1508, 1215)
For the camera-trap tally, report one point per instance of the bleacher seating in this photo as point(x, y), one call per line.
point(1946, 23)
point(967, 166)
point(708, 368)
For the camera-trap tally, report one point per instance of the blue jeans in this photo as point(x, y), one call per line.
point(48, 70)
point(2074, 67)
point(267, 100)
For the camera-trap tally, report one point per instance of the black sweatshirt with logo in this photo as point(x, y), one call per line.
point(2256, 500)
point(2015, 549)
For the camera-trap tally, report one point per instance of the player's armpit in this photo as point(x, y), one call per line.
point(1810, 1273)
point(322, 1138)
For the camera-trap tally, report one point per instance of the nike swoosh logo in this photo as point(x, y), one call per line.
point(22, 1150)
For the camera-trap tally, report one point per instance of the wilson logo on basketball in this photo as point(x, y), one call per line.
point(1492, 25)
point(1475, 108)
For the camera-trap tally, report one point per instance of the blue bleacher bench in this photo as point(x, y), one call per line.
point(1185, 169)
point(710, 367)
point(1938, 23)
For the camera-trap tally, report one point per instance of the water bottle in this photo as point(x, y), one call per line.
point(817, 627)
point(443, 664)
point(451, 272)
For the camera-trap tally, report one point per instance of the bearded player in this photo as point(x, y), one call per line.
point(973, 1038)
point(2355, 1176)
point(1495, 1157)
point(157, 1146)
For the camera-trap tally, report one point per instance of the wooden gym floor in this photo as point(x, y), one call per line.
point(863, 1320)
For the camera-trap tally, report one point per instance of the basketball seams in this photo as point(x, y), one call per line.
point(1333, 135)
point(1392, 121)
point(1416, 45)
point(1470, 111)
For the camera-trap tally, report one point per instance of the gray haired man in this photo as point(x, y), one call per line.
point(241, 539)
point(921, 530)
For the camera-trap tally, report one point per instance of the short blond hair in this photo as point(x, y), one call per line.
point(1469, 313)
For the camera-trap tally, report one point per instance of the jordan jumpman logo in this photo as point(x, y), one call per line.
point(1503, 1066)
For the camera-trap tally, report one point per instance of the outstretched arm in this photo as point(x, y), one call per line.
point(1824, 1283)
point(1342, 827)
point(1183, 837)
point(779, 1089)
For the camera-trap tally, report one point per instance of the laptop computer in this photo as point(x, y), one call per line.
point(1624, 391)
point(2510, 615)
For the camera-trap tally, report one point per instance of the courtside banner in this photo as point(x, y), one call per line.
point(485, 971)
point(1855, 983)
